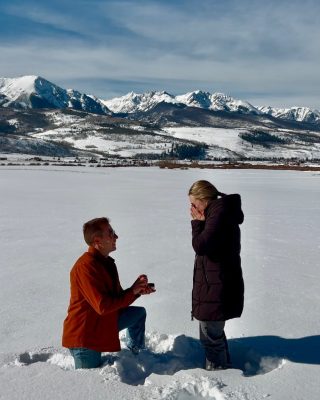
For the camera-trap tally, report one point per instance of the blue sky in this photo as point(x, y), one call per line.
point(266, 52)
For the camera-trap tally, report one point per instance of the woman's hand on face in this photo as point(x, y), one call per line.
point(196, 214)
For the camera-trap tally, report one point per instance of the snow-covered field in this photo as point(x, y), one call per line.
point(224, 142)
point(114, 144)
point(275, 346)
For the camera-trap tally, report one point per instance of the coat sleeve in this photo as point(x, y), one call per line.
point(205, 234)
point(95, 293)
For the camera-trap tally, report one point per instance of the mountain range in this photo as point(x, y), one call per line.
point(36, 92)
point(133, 102)
point(39, 117)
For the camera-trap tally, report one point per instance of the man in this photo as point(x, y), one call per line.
point(99, 307)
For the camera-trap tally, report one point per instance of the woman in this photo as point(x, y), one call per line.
point(218, 288)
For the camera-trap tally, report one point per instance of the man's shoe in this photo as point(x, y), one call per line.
point(134, 350)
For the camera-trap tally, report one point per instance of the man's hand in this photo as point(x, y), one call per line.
point(196, 214)
point(148, 290)
point(140, 285)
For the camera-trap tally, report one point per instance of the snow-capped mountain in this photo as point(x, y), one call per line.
point(133, 102)
point(300, 114)
point(216, 102)
point(36, 92)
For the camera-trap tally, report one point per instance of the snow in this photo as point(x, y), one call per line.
point(115, 144)
point(13, 88)
point(133, 102)
point(13, 121)
point(59, 118)
point(224, 142)
point(19, 89)
point(215, 102)
point(274, 345)
point(120, 146)
point(302, 114)
point(221, 137)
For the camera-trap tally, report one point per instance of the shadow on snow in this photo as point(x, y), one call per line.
point(253, 355)
point(257, 354)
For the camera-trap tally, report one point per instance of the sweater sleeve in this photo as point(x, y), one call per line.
point(205, 234)
point(95, 293)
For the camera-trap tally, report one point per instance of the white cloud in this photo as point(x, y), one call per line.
point(250, 47)
point(41, 15)
point(245, 29)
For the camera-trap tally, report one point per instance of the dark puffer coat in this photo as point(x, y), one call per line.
point(218, 287)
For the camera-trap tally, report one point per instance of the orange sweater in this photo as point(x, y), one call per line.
point(96, 298)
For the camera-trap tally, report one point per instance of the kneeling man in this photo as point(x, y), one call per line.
point(99, 308)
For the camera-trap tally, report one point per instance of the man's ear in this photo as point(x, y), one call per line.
point(96, 241)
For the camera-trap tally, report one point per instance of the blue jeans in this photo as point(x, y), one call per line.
point(134, 320)
point(131, 318)
point(85, 358)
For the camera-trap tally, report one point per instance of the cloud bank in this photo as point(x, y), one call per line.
point(264, 52)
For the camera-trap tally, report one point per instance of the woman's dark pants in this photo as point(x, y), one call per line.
point(214, 342)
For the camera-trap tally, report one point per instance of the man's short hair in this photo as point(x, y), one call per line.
point(94, 228)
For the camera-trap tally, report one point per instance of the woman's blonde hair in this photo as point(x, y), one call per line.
point(204, 190)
